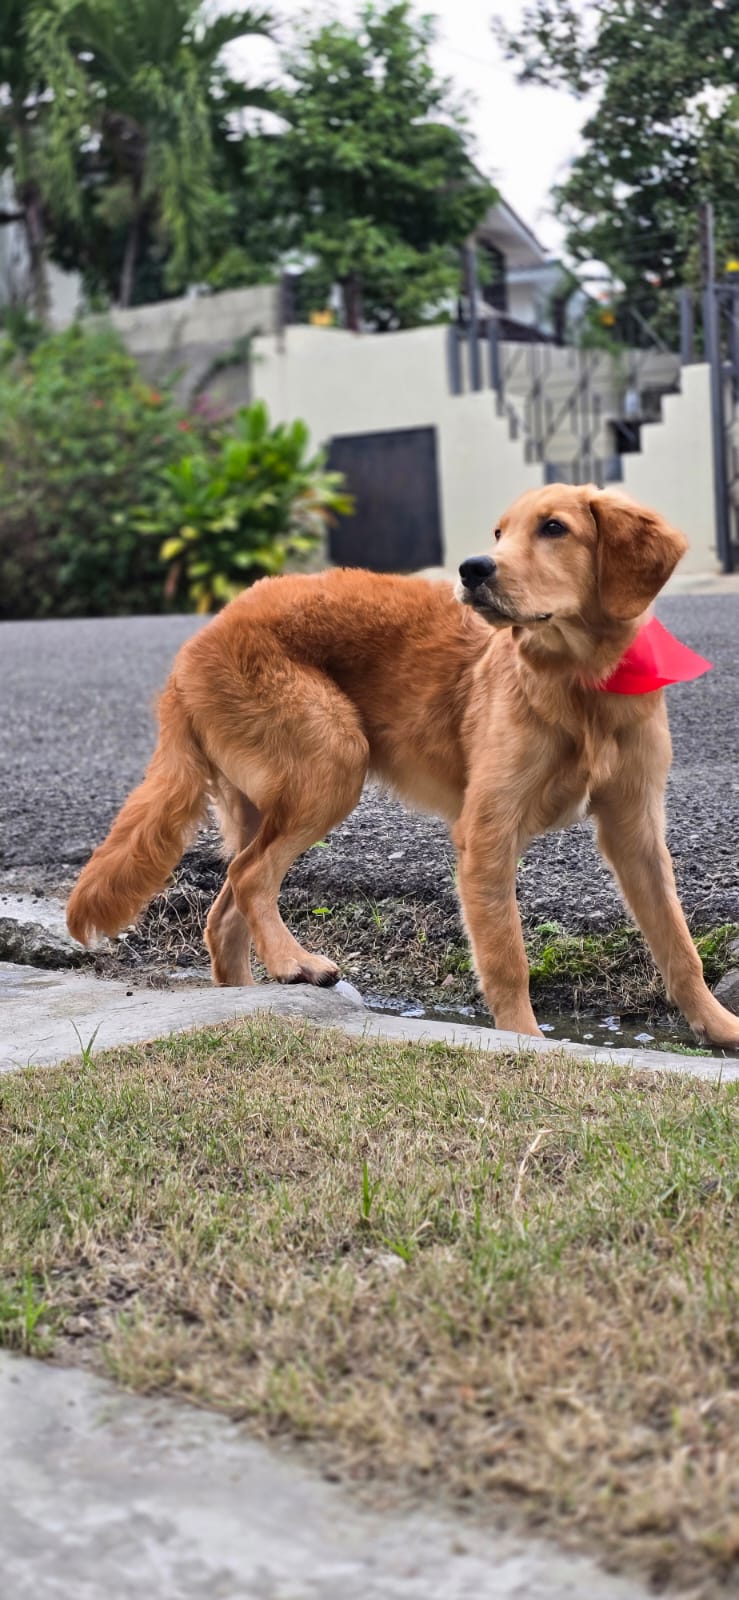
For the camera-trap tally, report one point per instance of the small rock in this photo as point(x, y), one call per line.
point(31, 945)
point(77, 1327)
point(449, 981)
point(727, 990)
point(389, 1261)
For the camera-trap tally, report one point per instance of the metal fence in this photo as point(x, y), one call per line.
point(576, 409)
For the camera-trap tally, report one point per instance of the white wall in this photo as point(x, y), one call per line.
point(344, 383)
point(673, 470)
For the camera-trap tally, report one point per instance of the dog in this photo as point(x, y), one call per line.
point(482, 705)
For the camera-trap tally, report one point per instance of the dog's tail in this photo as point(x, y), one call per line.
point(149, 835)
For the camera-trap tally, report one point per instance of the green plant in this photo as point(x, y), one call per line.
point(43, 104)
point(84, 442)
point(20, 1314)
point(243, 507)
point(20, 332)
point(86, 1049)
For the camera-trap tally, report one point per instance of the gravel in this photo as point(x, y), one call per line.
point(77, 730)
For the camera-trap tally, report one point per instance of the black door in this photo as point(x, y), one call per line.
point(396, 526)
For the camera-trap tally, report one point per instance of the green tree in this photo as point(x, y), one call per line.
point(39, 133)
point(377, 166)
point(162, 100)
point(663, 133)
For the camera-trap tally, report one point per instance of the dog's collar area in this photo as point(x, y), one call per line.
point(654, 660)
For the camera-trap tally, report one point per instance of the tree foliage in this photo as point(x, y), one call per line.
point(39, 131)
point(382, 189)
point(663, 133)
point(134, 163)
point(160, 96)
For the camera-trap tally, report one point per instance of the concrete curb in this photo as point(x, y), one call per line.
point(711, 1068)
point(105, 1493)
point(50, 1016)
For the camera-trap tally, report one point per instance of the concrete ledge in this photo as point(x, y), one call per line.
point(49, 1016)
point(105, 1493)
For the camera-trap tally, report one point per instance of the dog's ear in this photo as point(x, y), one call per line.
point(637, 551)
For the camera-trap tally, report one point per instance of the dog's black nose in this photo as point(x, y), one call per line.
point(477, 570)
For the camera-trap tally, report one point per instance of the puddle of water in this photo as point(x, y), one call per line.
point(585, 1028)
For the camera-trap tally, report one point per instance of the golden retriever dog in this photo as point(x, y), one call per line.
point(487, 712)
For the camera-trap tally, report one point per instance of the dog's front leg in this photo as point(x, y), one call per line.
point(487, 850)
point(630, 825)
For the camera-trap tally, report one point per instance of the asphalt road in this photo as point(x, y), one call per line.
point(76, 730)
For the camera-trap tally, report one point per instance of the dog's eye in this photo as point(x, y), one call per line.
point(497, 533)
point(552, 529)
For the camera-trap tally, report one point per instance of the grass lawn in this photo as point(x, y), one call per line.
point(512, 1282)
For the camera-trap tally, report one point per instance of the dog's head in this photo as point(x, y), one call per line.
point(571, 553)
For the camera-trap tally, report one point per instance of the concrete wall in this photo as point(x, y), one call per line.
point(343, 383)
point(673, 470)
point(187, 335)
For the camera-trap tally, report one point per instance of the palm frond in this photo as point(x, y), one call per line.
point(208, 42)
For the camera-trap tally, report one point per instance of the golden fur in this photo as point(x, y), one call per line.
point(486, 713)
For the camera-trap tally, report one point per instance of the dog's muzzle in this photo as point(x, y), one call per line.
point(478, 576)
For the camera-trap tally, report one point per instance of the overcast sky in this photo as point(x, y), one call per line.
point(525, 137)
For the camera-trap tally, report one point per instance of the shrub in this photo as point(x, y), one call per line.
point(83, 442)
point(112, 501)
point(242, 502)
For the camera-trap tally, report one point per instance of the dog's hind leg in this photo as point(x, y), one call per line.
point(311, 777)
point(227, 935)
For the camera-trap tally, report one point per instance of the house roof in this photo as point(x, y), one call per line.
point(503, 228)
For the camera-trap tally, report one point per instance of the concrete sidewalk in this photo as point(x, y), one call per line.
point(108, 1495)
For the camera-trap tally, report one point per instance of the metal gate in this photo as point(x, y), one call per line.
point(394, 478)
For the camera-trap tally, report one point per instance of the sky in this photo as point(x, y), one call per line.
point(524, 136)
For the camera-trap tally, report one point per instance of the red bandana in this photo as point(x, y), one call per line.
point(654, 659)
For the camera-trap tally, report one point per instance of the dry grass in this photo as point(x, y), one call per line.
point(510, 1280)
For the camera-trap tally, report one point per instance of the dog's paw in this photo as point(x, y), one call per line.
point(309, 969)
point(720, 1029)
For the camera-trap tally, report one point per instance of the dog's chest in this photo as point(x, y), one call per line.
point(577, 773)
point(565, 810)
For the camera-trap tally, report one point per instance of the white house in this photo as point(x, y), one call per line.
point(518, 278)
